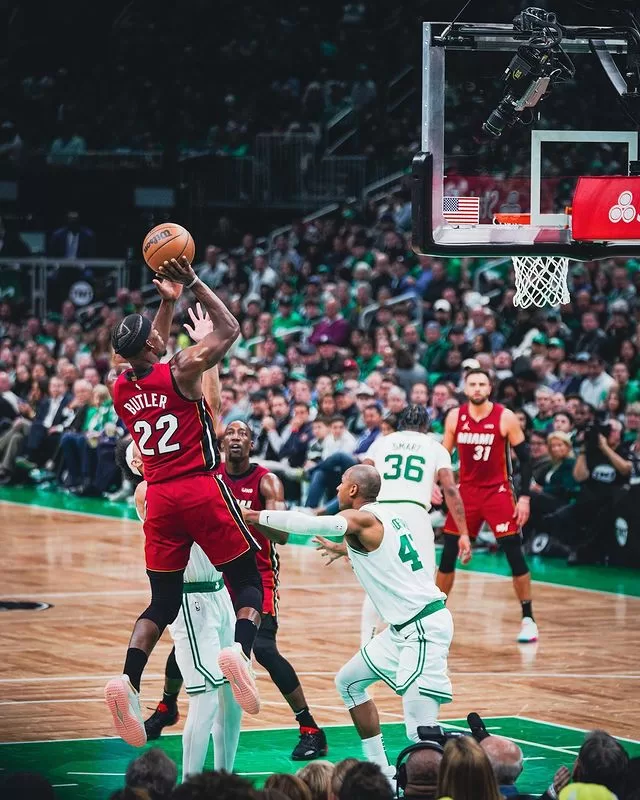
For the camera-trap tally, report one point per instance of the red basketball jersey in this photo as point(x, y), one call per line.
point(176, 437)
point(483, 451)
point(246, 490)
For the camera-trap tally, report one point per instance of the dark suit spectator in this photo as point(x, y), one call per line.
point(591, 338)
point(72, 240)
point(74, 435)
point(329, 362)
point(46, 428)
point(9, 402)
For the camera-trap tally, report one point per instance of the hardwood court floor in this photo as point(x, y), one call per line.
point(583, 673)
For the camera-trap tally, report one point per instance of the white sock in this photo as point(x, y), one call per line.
point(226, 730)
point(369, 621)
point(373, 750)
point(195, 737)
point(418, 710)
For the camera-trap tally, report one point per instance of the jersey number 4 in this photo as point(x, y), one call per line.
point(167, 423)
point(407, 553)
point(409, 468)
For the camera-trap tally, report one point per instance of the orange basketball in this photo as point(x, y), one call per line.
point(165, 242)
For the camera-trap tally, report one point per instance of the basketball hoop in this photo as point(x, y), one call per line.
point(540, 280)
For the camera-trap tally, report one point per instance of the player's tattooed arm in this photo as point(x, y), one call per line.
point(456, 507)
point(510, 427)
point(188, 365)
point(272, 491)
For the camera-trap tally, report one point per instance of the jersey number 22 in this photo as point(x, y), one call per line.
point(167, 423)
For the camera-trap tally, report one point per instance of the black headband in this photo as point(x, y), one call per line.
point(129, 336)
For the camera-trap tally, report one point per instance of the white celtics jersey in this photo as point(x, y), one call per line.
point(408, 463)
point(394, 576)
point(200, 569)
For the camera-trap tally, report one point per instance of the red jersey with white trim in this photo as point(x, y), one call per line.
point(483, 451)
point(246, 490)
point(176, 436)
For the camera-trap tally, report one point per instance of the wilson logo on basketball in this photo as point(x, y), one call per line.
point(157, 238)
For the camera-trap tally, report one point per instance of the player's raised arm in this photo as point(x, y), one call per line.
point(189, 364)
point(456, 507)
point(169, 292)
point(510, 427)
point(202, 326)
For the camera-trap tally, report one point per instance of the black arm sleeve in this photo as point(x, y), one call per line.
point(524, 459)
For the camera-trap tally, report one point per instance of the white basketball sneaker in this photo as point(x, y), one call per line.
point(528, 630)
point(124, 705)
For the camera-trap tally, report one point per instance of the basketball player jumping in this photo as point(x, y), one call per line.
point(389, 560)
point(483, 433)
point(203, 627)
point(163, 408)
point(256, 488)
point(409, 461)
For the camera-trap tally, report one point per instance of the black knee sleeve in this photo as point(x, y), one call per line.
point(449, 553)
point(512, 548)
point(166, 598)
point(265, 649)
point(245, 581)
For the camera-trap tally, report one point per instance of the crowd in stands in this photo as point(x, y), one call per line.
point(461, 770)
point(341, 326)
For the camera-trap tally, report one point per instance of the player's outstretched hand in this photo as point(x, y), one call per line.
point(178, 271)
point(202, 324)
point(523, 509)
point(331, 551)
point(168, 290)
point(464, 548)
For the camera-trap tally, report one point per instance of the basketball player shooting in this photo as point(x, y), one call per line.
point(483, 432)
point(388, 559)
point(162, 406)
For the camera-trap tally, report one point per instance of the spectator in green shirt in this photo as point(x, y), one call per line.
point(286, 318)
point(368, 360)
point(544, 403)
point(435, 355)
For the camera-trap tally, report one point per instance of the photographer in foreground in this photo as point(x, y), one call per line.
point(602, 467)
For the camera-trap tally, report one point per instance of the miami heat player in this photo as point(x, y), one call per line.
point(483, 433)
point(162, 406)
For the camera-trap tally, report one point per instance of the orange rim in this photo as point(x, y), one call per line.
point(512, 219)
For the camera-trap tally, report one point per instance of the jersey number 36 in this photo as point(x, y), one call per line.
point(409, 468)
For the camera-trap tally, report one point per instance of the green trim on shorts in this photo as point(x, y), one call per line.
point(422, 656)
point(437, 696)
point(204, 587)
point(195, 652)
point(430, 608)
point(413, 502)
point(375, 669)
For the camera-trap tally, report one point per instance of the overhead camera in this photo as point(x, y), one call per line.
point(536, 66)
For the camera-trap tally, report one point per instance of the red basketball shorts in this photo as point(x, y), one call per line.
point(198, 508)
point(491, 504)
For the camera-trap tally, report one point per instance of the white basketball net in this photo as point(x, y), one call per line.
point(541, 281)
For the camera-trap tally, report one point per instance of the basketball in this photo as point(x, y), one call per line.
point(165, 242)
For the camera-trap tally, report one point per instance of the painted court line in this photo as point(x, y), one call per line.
point(570, 728)
point(524, 741)
point(114, 774)
point(61, 785)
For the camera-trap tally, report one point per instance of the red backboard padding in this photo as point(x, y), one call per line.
point(606, 209)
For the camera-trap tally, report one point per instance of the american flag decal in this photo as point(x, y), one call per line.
point(457, 210)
